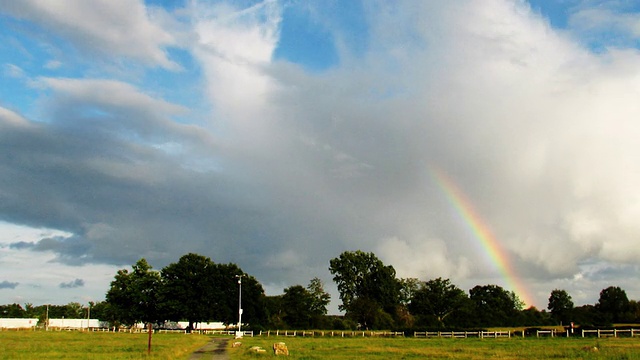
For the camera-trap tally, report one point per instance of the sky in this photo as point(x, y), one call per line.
point(483, 141)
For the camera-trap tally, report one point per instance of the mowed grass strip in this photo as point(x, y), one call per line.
point(411, 348)
point(96, 345)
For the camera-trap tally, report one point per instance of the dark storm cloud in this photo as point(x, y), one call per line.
point(8, 285)
point(72, 284)
point(126, 182)
point(72, 250)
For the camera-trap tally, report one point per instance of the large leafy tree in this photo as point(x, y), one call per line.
point(437, 298)
point(133, 296)
point(495, 306)
point(613, 304)
point(188, 292)
point(368, 289)
point(196, 289)
point(297, 302)
point(305, 308)
point(560, 305)
point(225, 276)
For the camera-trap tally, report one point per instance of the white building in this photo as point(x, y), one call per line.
point(15, 323)
point(74, 323)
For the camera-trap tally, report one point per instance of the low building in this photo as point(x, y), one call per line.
point(17, 323)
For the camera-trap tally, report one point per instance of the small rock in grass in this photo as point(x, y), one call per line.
point(280, 349)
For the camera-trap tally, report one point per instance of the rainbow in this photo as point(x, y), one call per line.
point(482, 233)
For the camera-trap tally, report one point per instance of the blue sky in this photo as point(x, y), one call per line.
point(277, 134)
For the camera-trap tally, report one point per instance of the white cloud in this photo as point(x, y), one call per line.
point(13, 71)
point(111, 93)
point(234, 46)
point(112, 28)
point(426, 259)
point(53, 64)
point(12, 118)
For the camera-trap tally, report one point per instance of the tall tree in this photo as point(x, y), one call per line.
point(297, 302)
point(320, 298)
point(188, 291)
point(319, 301)
point(494, 306)
point(133, 296)
point(613, 304)
point(368, 289)
point(560, 305)
point(438, 298)
point(225, 278)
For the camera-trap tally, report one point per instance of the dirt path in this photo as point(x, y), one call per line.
point(216, 349)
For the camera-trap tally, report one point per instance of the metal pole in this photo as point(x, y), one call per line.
point(239, 334)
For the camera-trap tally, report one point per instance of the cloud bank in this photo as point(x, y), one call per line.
point(286, 168)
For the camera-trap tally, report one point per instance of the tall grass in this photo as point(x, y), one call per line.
point(94, 345)
point(411, 348)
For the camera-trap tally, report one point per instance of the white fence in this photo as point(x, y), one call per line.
point(16, 323)
point(331, 333)
point(539, 333)
point(462, 334)
point(612, 332)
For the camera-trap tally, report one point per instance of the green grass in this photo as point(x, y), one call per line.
point(411, 348)
point(94, 345)
point(83, 345)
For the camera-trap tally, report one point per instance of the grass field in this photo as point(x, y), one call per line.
point(411, 348)
point(83, 345)
point(17, 345)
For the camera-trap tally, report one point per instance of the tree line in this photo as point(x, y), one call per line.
point(195, 289)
